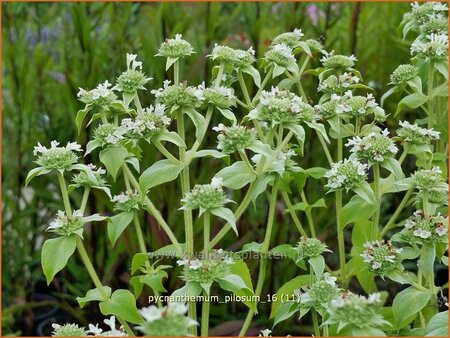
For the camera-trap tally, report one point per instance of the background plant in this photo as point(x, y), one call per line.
point(257, 40)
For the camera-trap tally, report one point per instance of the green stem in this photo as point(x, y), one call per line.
point(340, 238)
point(137, 103)
point(154, 212)
point(219, 75)
point(315, 322)
point(263, 84)
point(397, 212)
point(246, 161)
point(377, 191)
point(84, 199)
point(91, 271)
point(426, 209)
point(205, 315)
point(430, 95)
point(264, 251)
point(164, 151)
point(244, 90)
point(293, 214)
point(325, 148)
point(302, 68)
point(140, 236)
point(176, 72)
point(206, 231)
point(308, 215)
point(64, 193)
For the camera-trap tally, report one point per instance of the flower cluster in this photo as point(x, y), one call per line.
point(108, 133)
point(403, 74)
point(60, 158)
point(314, 45)
point(333, 61)
point(352, 106)
point(423, 12)
point(175, 48)
point(178, 95)
point(68, 330)
point(170, 320)
point(346, 174)
point(282, 106)
point(413, 134)
point(432, 47)
point(220, 97)
point(291, 39)
point(321, 292)
point(373, 147)
point(206, 196)
point(429, 180)
point(89, 178)
point(337, 84)
point(381, 257)
point(112, 332)
point(234, 138)
point(310, 247)
point(133, 78)
point(207, 269)
point(127, 201)
point(420, 230)
point(64, 225)
point(101, 96)
point(281, 55)
point(148, 122)
point(436, 24)
point(237, 58)
point(356, 311)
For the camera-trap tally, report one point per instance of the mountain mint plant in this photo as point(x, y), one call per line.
point(261, 122)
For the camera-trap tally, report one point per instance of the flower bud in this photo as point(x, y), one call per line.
point(342, 62)
point(290, 39)
point(127, 201)
point(68, 330)
point(281, 55)
point(428, 180)
point(108, 133)
point(234, 138)
point(133, 78)
point(148, 122)
point(236, 57)
point(310, 247)
point(220, 97)
point(206, 196)
point(178, 95)
point(435, 47)
point(314, 45)
point(94, 179)
point(419, 230)
point(175, 48)
point(413, 134)
point(322, 292)
point(403, 73)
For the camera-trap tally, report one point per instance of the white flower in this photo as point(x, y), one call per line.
point(298, 32)
point(150, 313)
point(121, 198)
point(132, 63)
point(176, 308)
point(376, 265)
point(265, 333)
point(422, 233)
point(374, 298)
point(220, 128)
point(329, 279)
point(217, 182)
point(95, 330)
point(441, 230)
point(195, 264)
point(409, 224)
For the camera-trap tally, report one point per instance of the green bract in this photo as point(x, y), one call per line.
point(413, 134)
point(237, 58)
point(206, 196)
point(234, 138)
point(178, 95)
point(310, 247)
point(175, 48)
point(332, 61)
point(347, 174)
point(60, 158)
point(403, 74)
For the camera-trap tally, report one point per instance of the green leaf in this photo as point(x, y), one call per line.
point(92, 145)
point(117, 224)
point(299, 133)
point(319, 128)
point(236, 176)
point(128, 97)
point(160, 172)
point(407, 305)
point(191, 289)
point(240, 269)
point(288, 290)
point(412, 101)
point(170, 136)
point(261, 148)
point(318, 265)
point(236, 285)
point(261, 185)
point(438, 325)
point(392, 165)
point(357, 209)
point(122, 304)
point(285, 311)
point(138, 260)
point(113, 157)
point(81, 115)
point(365, 192)
point(227, 215)
point(93, 295)
point(427, 258)
point(442, 67)
point(228, 114)
point(170, 62)
point(208, 152)
point(55, 254)
point(253, 73)
point(153, 281)
point(316, 172)
point(367, 332)
point(35, 172)
point(198, 120)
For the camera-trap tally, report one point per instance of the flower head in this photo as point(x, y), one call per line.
point(68, 330)
point(108, 133)
point(282, 106)
point(175, 48)
point(381, 257)
point(359, 106)
point(220, 97)
point(356, 311)
point(112, 332)
point(429, 180)
point(205, 196)
point(436, 24)
point(310, 247)
point(314, 45)
point(238, 58)
point(337, 84)
point(234, 138)
point(435, 47)
point(133, 78)
point(148, 122)
point(403, 73)
point(332, 61)
point(64, 225)
point(101, 96)
point(419, 230)
point(321, 292)
point(281, 55)
point(55, 157)
point(373, 147)
point(178, 95)
point(127, 201)
point(346, 174)
point(290, 39)
point(170, 320)
point(91, 177)
point(413, 134)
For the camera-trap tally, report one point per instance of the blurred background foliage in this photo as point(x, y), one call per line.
point(51, 49)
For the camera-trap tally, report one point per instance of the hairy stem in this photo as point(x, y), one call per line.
point(377, 191)
point(397, 212)
point(293, 214)
point(85, 198)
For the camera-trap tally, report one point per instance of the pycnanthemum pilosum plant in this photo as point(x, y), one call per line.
point(264, 125)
